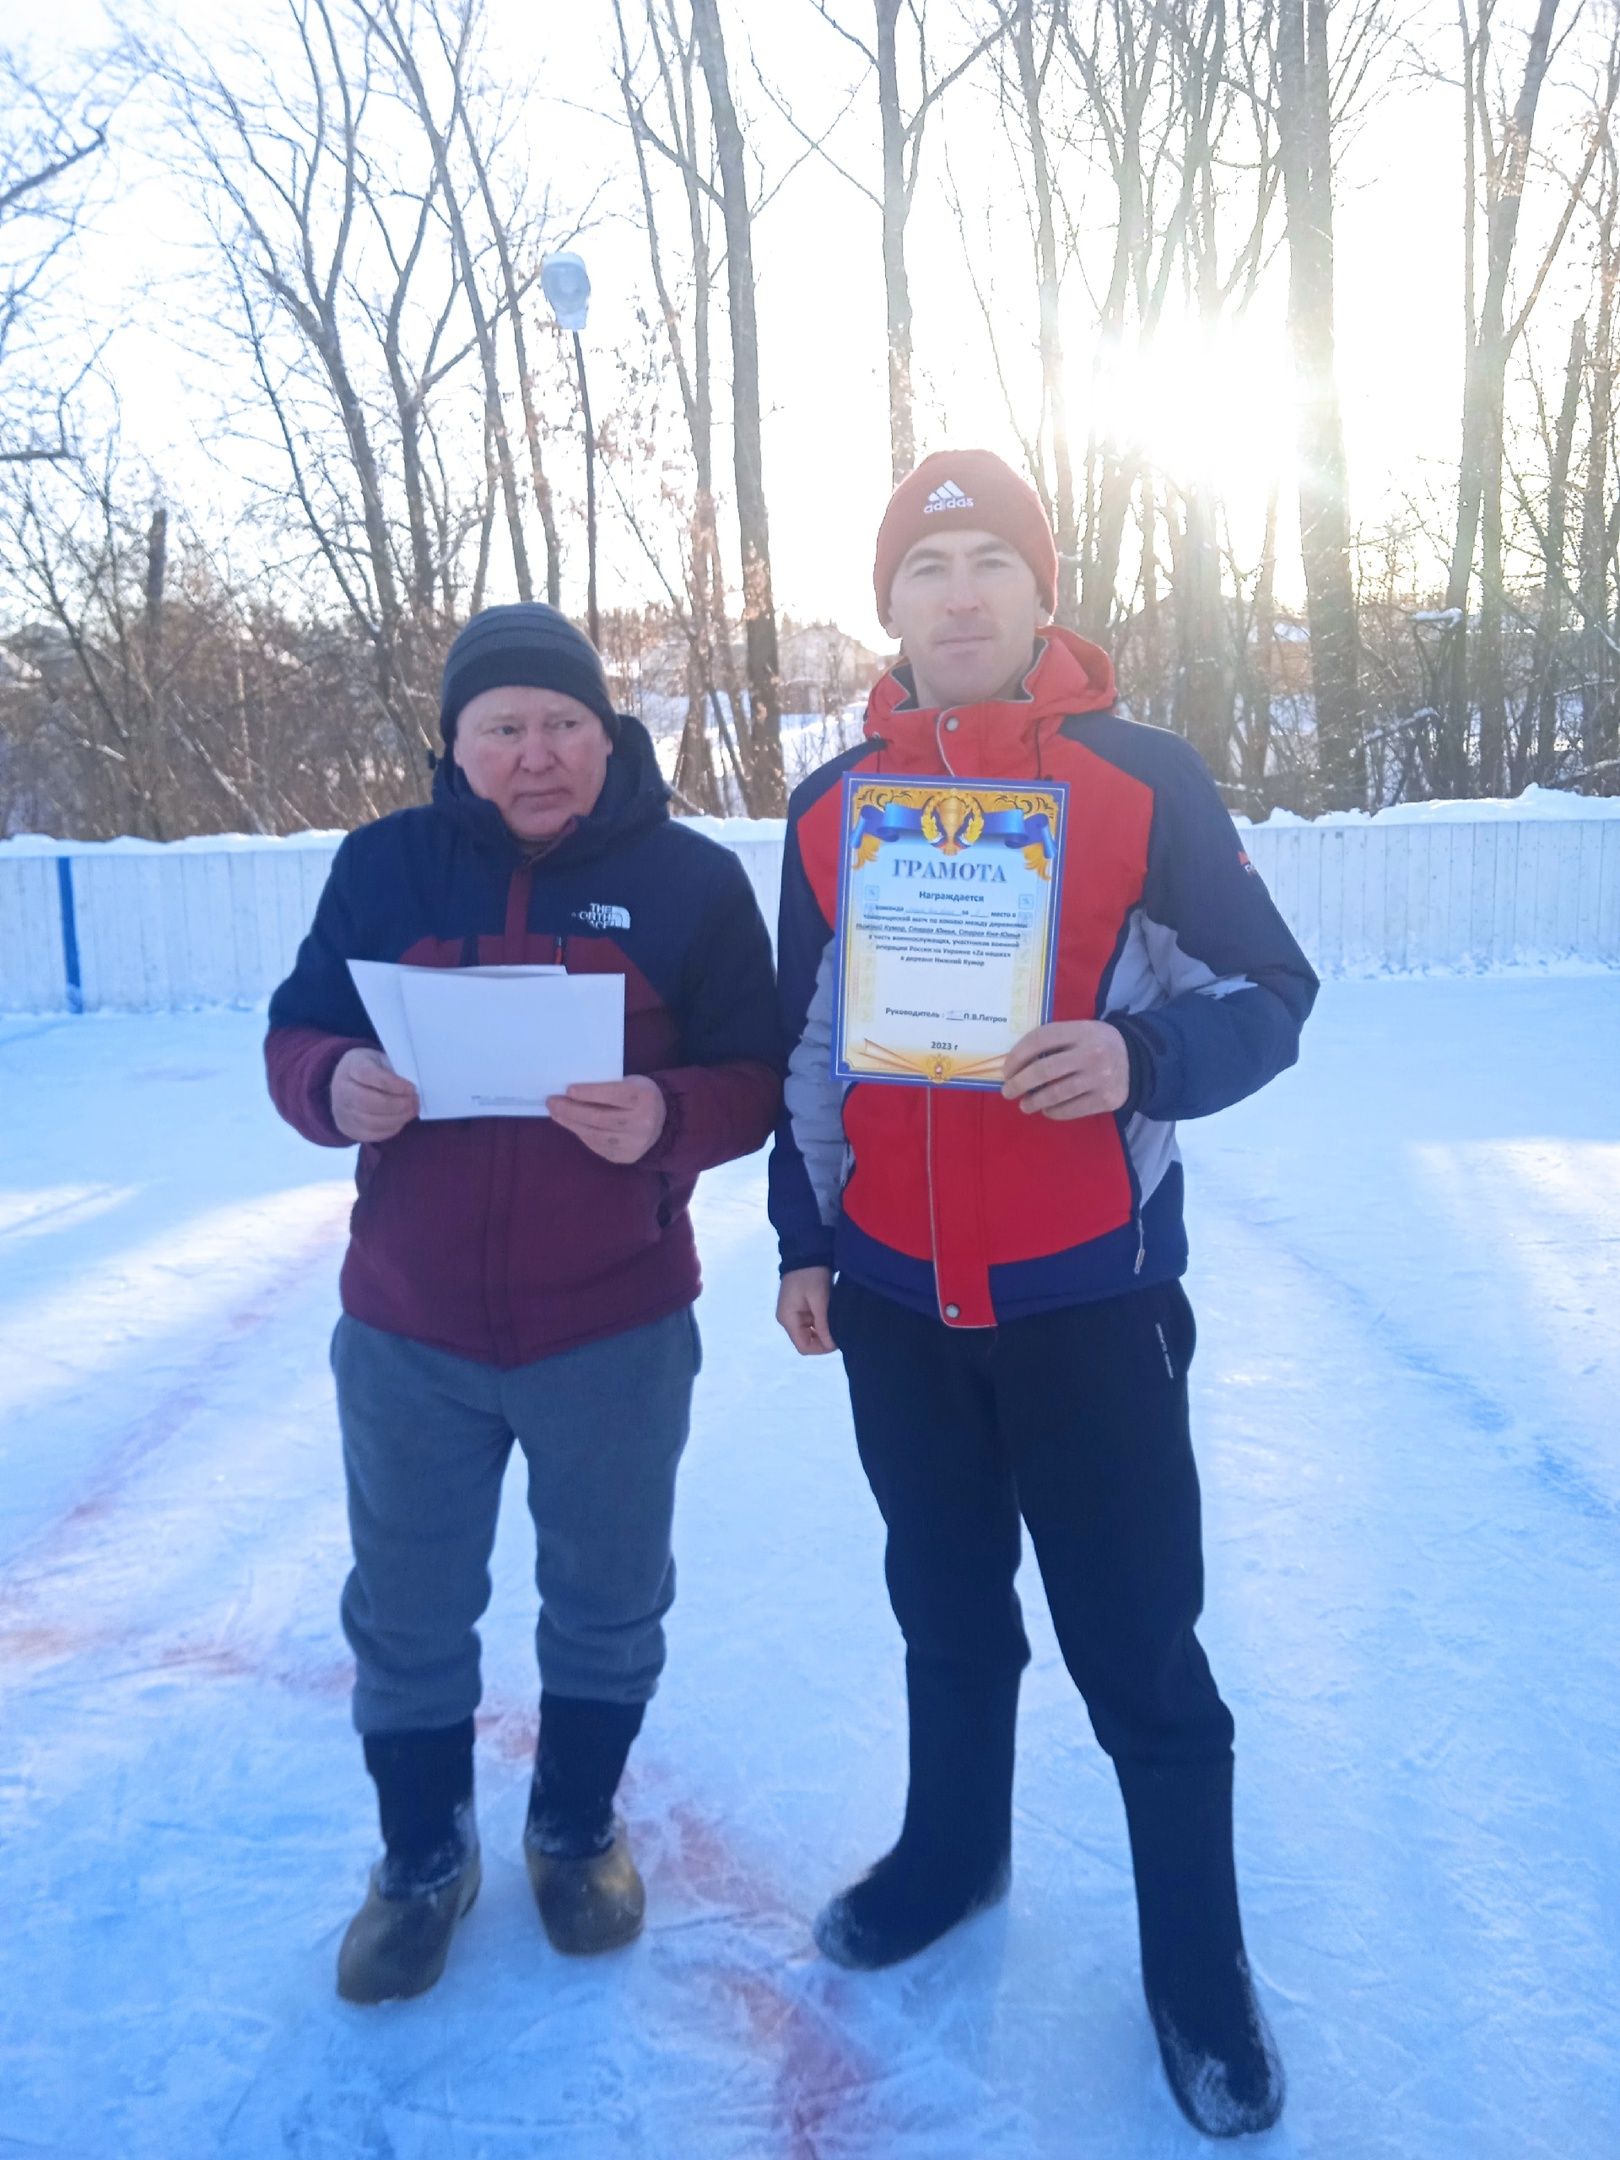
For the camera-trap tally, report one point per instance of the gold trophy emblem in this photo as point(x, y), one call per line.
point(951, 823)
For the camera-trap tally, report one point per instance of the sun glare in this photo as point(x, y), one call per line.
point(1203, 406)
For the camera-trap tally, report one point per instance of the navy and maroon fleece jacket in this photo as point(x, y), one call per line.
point(505, 1239)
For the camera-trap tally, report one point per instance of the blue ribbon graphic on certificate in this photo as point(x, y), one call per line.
point(947, 926)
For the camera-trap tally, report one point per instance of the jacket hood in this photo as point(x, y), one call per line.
point(635, 795)
point(1068, 674)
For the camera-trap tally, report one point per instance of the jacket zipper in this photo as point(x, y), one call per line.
point(928, 1099)
point(933, 1219)
point(498, 1275)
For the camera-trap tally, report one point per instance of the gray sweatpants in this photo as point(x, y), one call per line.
point(426, 1437)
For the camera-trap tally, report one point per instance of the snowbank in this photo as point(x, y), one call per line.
point(1535, 802)
point(196, 844)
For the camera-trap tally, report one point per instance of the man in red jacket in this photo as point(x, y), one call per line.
point(527, 1279)
point(1001, 1271)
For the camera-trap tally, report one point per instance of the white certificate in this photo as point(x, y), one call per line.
point(947, 926)
point(496, 1041)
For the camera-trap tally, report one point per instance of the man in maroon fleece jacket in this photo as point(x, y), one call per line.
point(521, 1278)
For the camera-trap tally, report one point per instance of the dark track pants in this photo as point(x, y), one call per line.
point(1076, 1422)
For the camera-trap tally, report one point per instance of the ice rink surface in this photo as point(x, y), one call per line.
point(1407, 1273)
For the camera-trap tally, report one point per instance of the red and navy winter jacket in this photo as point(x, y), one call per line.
point(953, 1201)
point(505, 1239)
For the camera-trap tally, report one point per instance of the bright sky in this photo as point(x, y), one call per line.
point(821, 304)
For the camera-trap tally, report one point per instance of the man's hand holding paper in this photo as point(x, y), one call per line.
point(493, 1041)
point(370, 1101)
point(616, 1119)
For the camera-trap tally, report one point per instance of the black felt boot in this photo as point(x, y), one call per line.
point(428, 1877)
point(576, 1849)
point(953, 1856)
point(1217, 2048)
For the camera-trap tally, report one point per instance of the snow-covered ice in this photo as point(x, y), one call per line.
point(1407, 1270)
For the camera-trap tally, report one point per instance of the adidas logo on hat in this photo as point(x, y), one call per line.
point(973, 490)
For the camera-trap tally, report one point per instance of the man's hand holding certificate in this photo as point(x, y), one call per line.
point(1069, 1069)
point(947, 922)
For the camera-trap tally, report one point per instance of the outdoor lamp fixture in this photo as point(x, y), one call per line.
point(566, 283)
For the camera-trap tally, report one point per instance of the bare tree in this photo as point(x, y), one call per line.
point(713, 685)
point(1542, 706)
point(1599, 674)
point(373, 252)
point(109, 654)
point(1117, 56)
point(1215, 67)
point(761, 726)
point(1499, 150)
point(286, 195)
point(395, 35)
point(902, 122)
point(1027, 69)
point(51, 133)
point(501, 220)
point(146, 690)
point(1305, 128)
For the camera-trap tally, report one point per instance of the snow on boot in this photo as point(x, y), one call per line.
point(428, 1877)
point(576, 1849)
point(1230, 2082)
point(397, 1943)
point(588, 1902)
point(953, 1855)
point(1217, 2049)
point(900, 1906)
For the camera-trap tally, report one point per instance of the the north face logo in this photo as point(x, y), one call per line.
point(947, 496)
point(600, 915)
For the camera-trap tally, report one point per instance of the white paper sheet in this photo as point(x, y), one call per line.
point(494, 1042)
point(382, 993)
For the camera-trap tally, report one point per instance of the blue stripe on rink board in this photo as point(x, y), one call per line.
point(70, 933)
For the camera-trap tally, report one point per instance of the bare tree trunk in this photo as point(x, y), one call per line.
point(896, 209)
point(711, 670)
point(1152, 628)
point(1120, 102)
point(1204, 679)
point(1484, 395)
point(901, 137)
point(1596, 544)
point(1546, 669)
point(763, 754)
point(1259, 675)
point(409, 393)
point(1204, 705)
point(694, 760)
point(1032, 81)
point(1305, 128)
point(151, 651)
